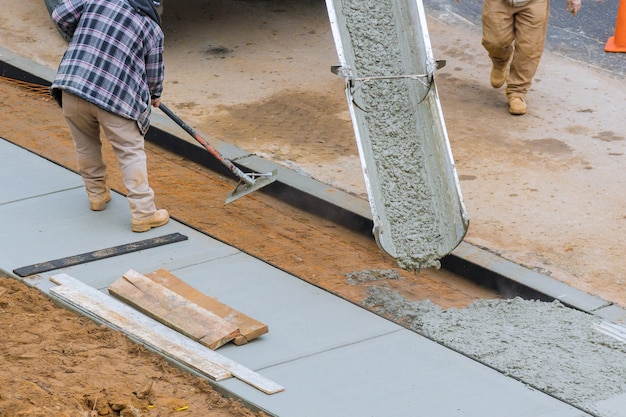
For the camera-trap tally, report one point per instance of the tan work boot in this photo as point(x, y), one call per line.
point(99, 203)
point(498, 75)
point(517, 105)
point(159, 218)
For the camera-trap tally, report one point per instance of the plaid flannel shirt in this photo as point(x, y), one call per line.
point(115, 57)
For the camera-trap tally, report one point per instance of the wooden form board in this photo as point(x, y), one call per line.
point(249, 327)
point(157, 336)
point(173, 310)
point(613, 330)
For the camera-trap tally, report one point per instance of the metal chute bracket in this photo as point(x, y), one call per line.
point(353, 84)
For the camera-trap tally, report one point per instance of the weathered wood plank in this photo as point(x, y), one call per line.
point(173, 310)
point(249, 327)
point(140, 327)
point(156, 335)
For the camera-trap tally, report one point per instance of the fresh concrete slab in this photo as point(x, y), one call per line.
point(29, 173)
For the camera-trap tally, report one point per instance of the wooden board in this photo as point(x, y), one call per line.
point(155, 335)
point(140, 327)
point(173, 310)
point(249, 327)
point(613, 330)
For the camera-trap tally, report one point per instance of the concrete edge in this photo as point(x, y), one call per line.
point(473, 263)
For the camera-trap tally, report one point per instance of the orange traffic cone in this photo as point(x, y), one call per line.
point(617, 43)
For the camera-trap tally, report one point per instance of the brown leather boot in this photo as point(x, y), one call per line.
point(99, 203)
point(159, 218)
point(498, 76)
point(517, 106)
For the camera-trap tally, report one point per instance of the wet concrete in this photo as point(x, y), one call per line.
point(417, 208)
point(548, 346)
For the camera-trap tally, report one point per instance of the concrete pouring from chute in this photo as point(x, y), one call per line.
point(387, 62)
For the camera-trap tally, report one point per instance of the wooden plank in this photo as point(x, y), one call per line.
point(140, 327)
point(249, 327)
point(174, 311)
point(613, 330)
point(157, 336)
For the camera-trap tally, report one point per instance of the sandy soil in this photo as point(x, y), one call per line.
point(542, 190)
point(64, 365)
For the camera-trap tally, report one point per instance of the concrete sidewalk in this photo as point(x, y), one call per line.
point(333, 357)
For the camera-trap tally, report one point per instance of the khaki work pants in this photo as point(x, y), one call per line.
point(520, 31)
point(85, 120)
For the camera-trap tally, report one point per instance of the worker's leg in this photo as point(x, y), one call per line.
point(498, 31)
point(82, 120)
point(531, 24)
point(128, 145)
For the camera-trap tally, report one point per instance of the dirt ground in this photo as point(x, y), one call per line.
point(55, 363)
point(543, 190)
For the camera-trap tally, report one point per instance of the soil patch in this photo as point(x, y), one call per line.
point(56, 363)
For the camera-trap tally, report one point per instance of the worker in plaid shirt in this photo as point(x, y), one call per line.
point(109, 76)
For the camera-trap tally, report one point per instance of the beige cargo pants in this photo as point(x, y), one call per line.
point(85, 120)
point(520, 31)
